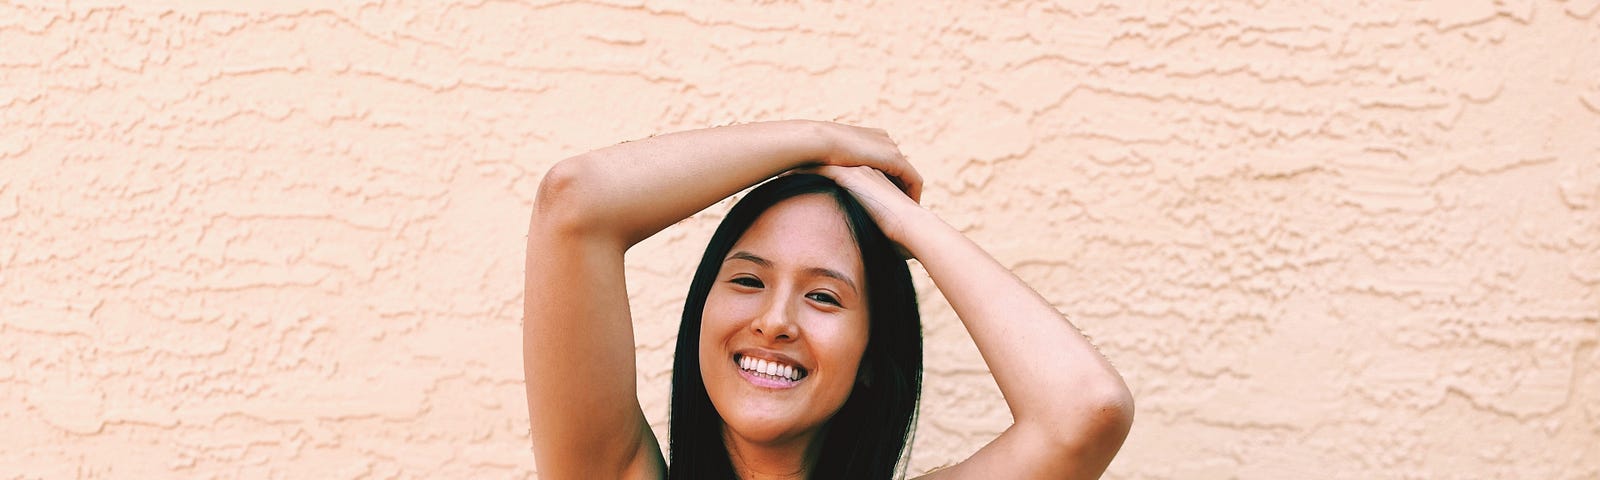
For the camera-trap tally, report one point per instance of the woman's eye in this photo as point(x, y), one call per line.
point(747, 282)
point(824, 298)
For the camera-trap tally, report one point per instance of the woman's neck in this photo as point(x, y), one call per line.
point(785, 459)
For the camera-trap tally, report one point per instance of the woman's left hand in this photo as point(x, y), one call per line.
point(888, 206)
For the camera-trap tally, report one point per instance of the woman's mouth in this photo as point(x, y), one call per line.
point(769, 373)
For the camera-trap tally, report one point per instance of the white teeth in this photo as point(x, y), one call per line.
point(775, 369)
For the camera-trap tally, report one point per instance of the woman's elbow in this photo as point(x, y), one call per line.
point(1098, 419)
point(1114, 411)
point(559, 204)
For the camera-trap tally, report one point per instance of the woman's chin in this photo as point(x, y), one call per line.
point(759, 425)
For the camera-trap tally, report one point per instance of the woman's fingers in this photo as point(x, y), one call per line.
point(873, 147)
point(911, 183)
point(903, 177)
point(866, 182)
point(899, 169)
point(877, 192)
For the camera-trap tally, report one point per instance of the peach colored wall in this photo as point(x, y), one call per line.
point(1320, 239)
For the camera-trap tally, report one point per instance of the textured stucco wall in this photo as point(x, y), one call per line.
point(1320, 239)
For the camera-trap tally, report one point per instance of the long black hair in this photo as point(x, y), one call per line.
point(866, 438)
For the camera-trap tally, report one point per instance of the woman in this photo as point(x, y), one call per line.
point(799, 355)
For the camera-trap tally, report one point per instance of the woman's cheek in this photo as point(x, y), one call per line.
point(857, 334)
point(842, 337)
point(725, 308)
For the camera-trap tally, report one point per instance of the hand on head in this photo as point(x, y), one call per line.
point(869, 165)
point(853, 146)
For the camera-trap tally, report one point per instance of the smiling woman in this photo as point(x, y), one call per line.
point(799, 354)
point(794, 283)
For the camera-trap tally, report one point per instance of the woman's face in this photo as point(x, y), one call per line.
point(785, 324)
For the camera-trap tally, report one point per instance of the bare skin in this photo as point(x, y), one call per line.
point(788, 287)
point(1071, 408)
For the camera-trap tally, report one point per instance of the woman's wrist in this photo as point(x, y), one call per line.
point(791, 144)
point(822, 139)
point(920, 230)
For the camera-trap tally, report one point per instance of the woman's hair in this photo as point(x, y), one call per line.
point(867, 436)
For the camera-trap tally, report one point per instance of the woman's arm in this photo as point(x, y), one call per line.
point(1072, 409)
point(630, 191)
point(578, 353)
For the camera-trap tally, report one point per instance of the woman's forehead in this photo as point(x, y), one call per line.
point(804, 231)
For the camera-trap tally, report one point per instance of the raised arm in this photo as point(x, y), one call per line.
point(1071, 408)
point(578, 354)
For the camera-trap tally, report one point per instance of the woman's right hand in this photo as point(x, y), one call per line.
point(852, 146)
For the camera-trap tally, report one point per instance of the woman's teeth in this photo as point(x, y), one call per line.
point(771, 369)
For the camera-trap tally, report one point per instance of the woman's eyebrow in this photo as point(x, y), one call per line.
point(833, 274)
point(825, 272)
point(750, 257)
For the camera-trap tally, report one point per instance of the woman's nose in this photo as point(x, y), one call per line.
point(776, 320)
